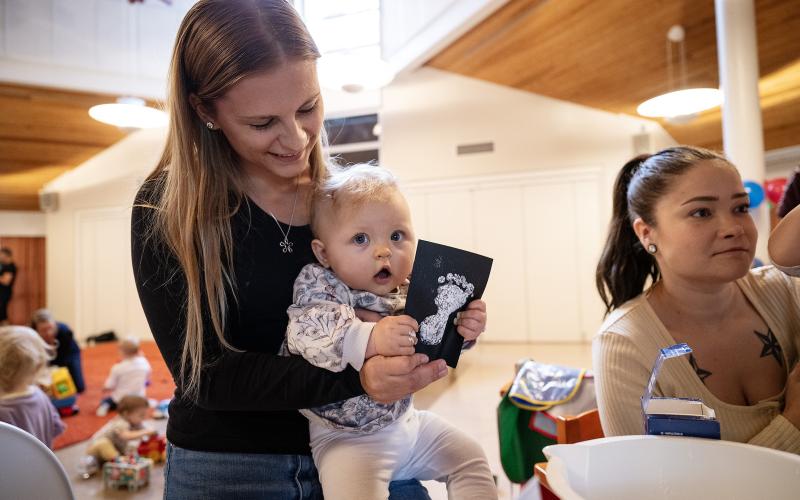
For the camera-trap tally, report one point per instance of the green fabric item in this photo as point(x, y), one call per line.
point(520, 445)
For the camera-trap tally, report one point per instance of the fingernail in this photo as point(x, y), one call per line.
point(455, 321)
point(425, 358)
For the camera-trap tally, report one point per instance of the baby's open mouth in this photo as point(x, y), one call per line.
point(383, 273)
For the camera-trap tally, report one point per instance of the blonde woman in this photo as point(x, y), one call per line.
point(219, 233)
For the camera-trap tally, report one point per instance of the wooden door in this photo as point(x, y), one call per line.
point(29, 291)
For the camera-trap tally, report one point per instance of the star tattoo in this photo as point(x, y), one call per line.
point(771, 346)
point(703, 374)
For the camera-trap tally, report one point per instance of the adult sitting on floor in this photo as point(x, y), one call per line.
point(59, 335)
point(680, 220)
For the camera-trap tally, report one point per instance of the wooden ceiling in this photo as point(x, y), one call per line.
point(44, 133)
point(611, 55)
point(607, 54)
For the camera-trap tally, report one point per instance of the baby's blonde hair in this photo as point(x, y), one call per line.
point(23, 354)
point(129, 346)
point(351, 187)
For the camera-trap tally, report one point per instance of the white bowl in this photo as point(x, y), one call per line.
point(655, 467)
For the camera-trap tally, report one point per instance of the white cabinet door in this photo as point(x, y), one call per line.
point(544, 231)
point(106, 297)
point(550, 254)
point(449, 217)
point(589, 236)
point(498, 234)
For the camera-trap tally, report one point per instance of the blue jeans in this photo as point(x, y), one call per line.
point(201, 475)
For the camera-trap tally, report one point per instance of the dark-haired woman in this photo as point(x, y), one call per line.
point(676, 268)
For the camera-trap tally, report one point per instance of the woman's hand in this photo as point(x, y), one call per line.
point(792, 408)
point(387, 380)
point(471, 322)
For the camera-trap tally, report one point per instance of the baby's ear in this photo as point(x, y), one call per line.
point(318, 247)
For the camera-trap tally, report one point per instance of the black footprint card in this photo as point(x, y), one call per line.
point(443, 281)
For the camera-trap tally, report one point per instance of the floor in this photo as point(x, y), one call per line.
point(474, 386)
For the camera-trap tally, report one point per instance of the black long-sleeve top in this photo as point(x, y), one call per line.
point(248, 400)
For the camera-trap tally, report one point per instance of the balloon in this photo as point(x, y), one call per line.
point(774, 188)
point(756, 193)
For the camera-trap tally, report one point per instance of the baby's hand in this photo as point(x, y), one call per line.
point(472, 321)
point(394, 336)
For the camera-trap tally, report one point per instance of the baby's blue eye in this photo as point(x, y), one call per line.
point(360, 239)
point(397, 236)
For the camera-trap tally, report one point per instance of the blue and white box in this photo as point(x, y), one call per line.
point(676, 416)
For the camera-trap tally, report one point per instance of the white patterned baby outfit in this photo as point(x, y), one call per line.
point(324, 329)
point(360, 445)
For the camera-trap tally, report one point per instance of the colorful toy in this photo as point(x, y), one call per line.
point(66, 407)
point(154, 448)
point(61, 385)
point(127, 471)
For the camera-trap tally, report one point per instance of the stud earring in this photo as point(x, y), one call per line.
point(652, 248)
point(210, 125)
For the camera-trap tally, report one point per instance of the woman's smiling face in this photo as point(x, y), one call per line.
point(272, 119)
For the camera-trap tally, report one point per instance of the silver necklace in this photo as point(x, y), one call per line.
point(286, 245)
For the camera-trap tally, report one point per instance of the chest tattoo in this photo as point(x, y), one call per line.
point(771, 346)
point(703, 374)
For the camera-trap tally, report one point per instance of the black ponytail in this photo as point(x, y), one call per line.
point(625, 265)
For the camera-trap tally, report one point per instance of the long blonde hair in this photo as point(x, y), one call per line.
point(198, 179)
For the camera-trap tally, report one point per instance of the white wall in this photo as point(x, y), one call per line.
point(21, 223)
point(89, 278)
point(425, 116)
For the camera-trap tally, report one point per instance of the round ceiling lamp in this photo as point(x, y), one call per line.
point(682, 104)
point(129, 112)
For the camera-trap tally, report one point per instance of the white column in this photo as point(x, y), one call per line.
point(742, 133)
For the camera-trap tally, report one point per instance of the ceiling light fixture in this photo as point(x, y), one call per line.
point(682, 104)
point(129, 112)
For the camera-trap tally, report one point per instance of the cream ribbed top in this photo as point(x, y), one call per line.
point(628, 343)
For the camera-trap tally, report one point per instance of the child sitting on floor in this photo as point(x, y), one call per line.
point(23, 356)
point(365, 245)
point(128, 377)
point(112, 439)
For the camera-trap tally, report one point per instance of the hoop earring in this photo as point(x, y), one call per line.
point(652, 248)
point(210, 125)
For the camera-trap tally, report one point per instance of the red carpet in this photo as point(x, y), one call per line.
point(97, 361)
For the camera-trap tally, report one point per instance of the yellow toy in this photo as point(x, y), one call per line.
point(61, 385)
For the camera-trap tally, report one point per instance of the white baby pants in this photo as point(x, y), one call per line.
point(419, 445)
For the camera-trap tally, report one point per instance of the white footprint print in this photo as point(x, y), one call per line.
point(451, 294)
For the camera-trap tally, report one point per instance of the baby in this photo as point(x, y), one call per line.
point(128, 377)
point(23, 356)
point(365, 247)
point(113, 439)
